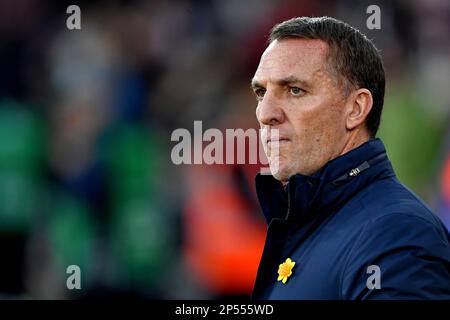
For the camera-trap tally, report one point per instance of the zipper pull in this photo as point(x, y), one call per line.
point(353, 173)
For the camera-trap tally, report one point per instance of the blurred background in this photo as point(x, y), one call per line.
point(86, 118)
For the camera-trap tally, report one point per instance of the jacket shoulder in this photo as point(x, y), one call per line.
point(390, 200)
point(404, 238)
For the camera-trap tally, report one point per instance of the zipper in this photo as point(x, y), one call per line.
point(356, 171)
point(290, 187)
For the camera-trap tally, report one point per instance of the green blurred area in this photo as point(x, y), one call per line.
point(22, 159)
point(140, 236)
point(413, 135)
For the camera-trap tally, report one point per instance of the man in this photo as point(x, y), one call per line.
point(341, 226)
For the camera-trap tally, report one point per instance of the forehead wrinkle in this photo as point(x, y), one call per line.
point(289, 55)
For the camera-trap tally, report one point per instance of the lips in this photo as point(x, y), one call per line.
point(280, 140)
point(270, 135)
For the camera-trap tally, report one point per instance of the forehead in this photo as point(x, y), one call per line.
point(293, 56)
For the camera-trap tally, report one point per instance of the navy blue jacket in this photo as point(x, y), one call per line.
point(351, 214)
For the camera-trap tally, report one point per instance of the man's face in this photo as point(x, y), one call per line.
point(299, 97)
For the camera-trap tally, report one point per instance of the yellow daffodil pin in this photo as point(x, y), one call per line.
point(285, 270)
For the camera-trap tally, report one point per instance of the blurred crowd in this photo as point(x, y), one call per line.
point(86, 118)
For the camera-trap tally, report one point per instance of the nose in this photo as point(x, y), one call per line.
point(269, 111)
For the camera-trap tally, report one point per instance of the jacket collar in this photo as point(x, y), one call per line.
point(326, 189)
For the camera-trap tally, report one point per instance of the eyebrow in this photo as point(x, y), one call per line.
point(290, 80)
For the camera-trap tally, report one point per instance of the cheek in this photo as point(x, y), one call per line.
point(319, 123)
point(331, 125)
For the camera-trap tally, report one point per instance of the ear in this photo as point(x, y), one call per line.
point(359, 105)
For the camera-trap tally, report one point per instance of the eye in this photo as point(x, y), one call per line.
point(259, 93)
point(296, 91)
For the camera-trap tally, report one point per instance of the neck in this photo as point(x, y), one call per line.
point(356, 138)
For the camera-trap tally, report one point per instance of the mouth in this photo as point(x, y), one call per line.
point(279, 140)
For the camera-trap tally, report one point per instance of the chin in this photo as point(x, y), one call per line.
point(281, 178)
point(281, 173)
